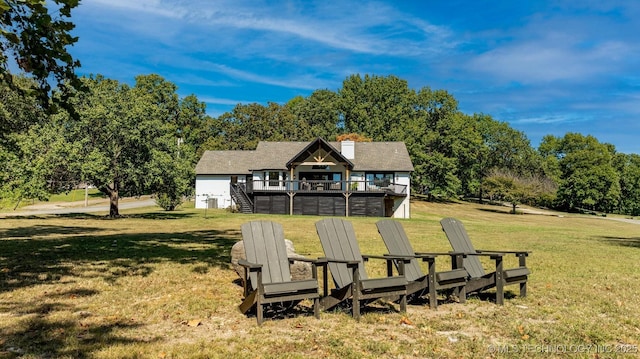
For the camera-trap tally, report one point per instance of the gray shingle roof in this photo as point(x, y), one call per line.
point(380, 156)
point(369, 156)
point(226, 162)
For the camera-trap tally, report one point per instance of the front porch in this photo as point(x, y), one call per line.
point(319, 197)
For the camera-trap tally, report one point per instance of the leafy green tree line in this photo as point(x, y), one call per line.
point(132, 140)
point(454, 154)
point(58, 130)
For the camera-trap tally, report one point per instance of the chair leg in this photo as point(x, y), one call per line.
point(260, 312)
point(499, 277)
point(356, 309)
point(462, 294)
point(403, 303)
point(316, 308)
point(431, 281)
point(523, 289)
point(433, 296)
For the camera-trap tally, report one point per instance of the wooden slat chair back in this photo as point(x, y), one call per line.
point(397, 243)
point(479, 280)
point(346, 264)
point(339, 242)
point(264, 244)
point(267, 277)
point(460, 242)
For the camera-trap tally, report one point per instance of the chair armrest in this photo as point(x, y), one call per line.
point(487, 254)
point(403, 258)
point(435, 254)
point(321, 261)
point(247, 264)
point(347, 262)
point(302, 259)
point(251, 267)
point(517, 253)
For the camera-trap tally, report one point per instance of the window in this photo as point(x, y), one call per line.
point(274, 179)
point(380, 179)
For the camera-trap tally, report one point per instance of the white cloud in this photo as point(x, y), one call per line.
point(348, 25)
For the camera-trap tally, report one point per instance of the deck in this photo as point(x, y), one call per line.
point(344, 187)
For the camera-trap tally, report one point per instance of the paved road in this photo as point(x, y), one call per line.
point(76, 207)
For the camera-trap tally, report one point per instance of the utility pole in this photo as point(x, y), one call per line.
point(86, 194)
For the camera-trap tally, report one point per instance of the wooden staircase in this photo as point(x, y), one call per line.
point(241, 198)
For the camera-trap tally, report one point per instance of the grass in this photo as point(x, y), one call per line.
point(71, 196)
point(159, 285)
point(76, 195)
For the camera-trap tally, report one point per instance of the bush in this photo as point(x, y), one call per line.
point(168, 202)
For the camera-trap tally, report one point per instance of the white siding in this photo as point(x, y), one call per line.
point(212, 186)
point(402, 207)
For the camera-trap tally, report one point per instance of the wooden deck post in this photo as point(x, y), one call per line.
point(347, 191)
point(291, 192)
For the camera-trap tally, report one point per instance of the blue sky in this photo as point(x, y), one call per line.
point(546, 67)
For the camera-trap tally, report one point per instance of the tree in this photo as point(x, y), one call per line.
point(515, 188)
point(375, 106)
point(246, 125)
point(503, 148)
point(628, 166)
point(320, 111)
point(39, 165)
point(19, 109)
point(587, 176)
point(440, 143)
point(35, 39)
point(19, 112)
point(355, 137)
point(124, 139)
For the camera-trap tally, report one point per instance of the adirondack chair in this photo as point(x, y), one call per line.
point(420, 284)
point(479, 280)
point(267, 278)
point(346, 264)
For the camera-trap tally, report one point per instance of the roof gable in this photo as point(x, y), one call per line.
point(314, 149)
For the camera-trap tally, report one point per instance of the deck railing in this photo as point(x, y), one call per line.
point(326, 186)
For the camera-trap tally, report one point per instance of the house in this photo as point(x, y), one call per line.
point(317, 178)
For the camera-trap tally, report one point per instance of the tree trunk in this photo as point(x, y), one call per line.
point(113, 203)
point(514, 208)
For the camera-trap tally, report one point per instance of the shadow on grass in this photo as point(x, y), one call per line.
point(498, 210)
point(621, 241)
point(30, 257)
point(40, 337)
point(39, 230)
point(35, 333)
point(26, 262)
point(491, 295)
point(150, 215)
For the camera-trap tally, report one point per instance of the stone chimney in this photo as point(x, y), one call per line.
point(348, 149)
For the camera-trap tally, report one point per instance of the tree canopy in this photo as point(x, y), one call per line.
point(34, 39)
point(126, 141)
point(132, 140)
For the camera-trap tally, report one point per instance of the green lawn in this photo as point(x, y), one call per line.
point(76, 195)
point(71, 196)
point(159, 285)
